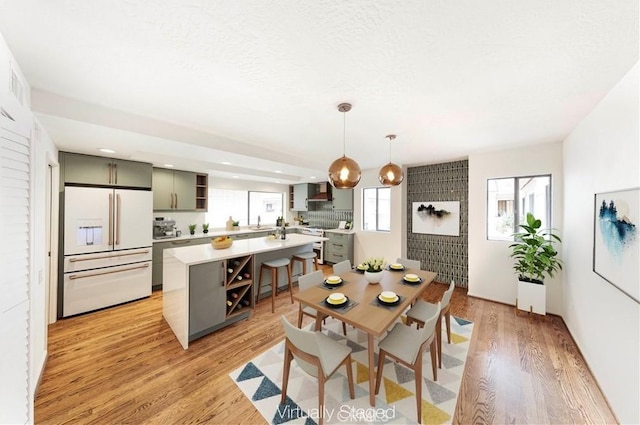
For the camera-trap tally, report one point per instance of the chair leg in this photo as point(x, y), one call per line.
point(274, 288)
point(447, 319)
point(344, 329)
point(350, 376)
point(300, 316)
point(315, 263)
point(381, 357)
point(290, 283)
point(432, 349)
point(439, 339)
point(320, 395)
point(259, 284)
point(285, 374)
point(418, 378)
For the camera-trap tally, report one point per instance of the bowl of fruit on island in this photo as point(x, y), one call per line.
point(221, 242)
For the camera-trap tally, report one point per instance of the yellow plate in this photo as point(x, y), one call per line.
point(334, 279)
point(411, 277)
point(361, 267)
point(396, 266)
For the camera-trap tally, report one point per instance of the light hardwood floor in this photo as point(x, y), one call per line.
point(124, 365)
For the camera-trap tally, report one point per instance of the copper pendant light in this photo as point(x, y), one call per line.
point(344, 172)
point(391, 174)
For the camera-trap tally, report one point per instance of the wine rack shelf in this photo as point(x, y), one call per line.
point(239, 284)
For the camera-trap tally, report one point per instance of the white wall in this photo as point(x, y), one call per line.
point(602, 154)
point(44, 153)
point(378, 244)
point(491, 275)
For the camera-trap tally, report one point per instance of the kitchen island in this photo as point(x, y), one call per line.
point(206, 289)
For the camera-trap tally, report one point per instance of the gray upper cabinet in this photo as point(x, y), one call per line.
point(342, 199)
point(301, 194)
point(174, 190)
point(98, 170)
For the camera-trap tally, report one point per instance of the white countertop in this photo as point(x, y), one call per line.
point(345, 231)
point(205, 253)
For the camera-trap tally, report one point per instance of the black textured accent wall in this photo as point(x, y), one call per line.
point(446, 255)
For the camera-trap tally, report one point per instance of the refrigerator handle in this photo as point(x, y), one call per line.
point(110, 219)
point(118, 216)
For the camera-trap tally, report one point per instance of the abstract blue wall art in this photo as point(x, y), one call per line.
point(616, 246)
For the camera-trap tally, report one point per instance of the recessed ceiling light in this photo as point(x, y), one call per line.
point(168, 165)
point(225, 163)
point(235, 177)
point(277, 181)
point(312, 177)
point(278, 171)
point(105, 150)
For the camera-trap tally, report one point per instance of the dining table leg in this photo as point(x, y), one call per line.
point(372, 372)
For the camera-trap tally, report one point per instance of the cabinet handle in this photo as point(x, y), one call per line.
point(179, 242)
point(110, 172)
point(110, 219)
point(73, 276)
point(115, 167)
point(118, 216)
point(176, 195)
point(338, 244)
point(75, 260)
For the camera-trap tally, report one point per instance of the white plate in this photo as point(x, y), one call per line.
point(336, 298)
point(333, 280)
point(411, 277)
point(388, 296)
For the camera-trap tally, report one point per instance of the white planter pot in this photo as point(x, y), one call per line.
point(532, 297)
point(373, 277)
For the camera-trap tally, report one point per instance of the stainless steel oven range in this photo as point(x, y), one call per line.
point(318, 247)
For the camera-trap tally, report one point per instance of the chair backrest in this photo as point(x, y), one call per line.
point(446, 297)
point(430, 325)
point(410, 264)
point(342, 267)
point(304, 341)
point(310, 279)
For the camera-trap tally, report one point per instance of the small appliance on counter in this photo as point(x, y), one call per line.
point(163, 229)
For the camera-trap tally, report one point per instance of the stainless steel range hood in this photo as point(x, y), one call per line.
point(323, 194)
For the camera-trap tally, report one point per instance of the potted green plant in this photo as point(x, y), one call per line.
point(205, 228)
point(236, 225)
point(535, 257)
point(192, 229)
point(373, 269)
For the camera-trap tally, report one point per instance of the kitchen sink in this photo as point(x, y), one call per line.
point(261, 228)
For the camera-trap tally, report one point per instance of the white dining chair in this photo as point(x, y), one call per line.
point(342, 267)
point(305, 282)
point(410, 264)
point(421, 310)
point(316, 354)
point(406, 344)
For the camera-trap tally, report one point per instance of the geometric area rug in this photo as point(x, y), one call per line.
point(261, 381)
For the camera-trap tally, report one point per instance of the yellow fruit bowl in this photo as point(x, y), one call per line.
point(221, 243)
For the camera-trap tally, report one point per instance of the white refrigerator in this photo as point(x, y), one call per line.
point(107, 247)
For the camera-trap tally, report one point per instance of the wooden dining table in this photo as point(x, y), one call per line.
point(368, 315)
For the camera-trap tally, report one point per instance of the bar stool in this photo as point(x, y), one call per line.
point(303, 257)
point(273, 266)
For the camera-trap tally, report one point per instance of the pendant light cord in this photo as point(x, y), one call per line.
point(344, 133)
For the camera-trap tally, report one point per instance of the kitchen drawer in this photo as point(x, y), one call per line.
point(338, 237)
point(338, 248)
point(333, 257)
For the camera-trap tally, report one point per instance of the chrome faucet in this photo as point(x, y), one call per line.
point(258, 221)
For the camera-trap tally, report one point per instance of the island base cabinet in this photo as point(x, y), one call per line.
point(207, 296)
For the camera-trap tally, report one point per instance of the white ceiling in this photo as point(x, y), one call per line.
point(257, 84)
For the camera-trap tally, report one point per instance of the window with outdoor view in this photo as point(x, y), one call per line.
point(510, 199)
point(376, 209)
point(244, 206)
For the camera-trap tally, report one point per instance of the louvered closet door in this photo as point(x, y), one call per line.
point(14, 275)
